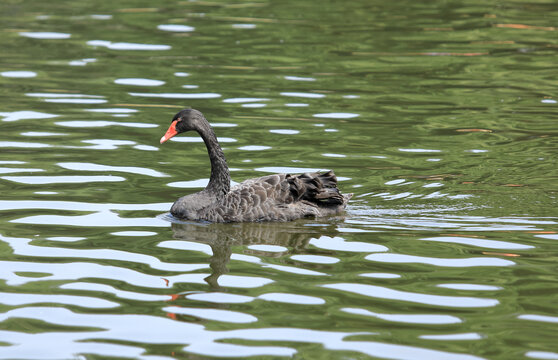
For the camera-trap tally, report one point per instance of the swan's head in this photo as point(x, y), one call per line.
point(185, 120)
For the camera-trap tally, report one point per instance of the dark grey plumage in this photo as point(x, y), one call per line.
point(278, 197)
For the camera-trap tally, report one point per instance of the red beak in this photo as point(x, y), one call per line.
point(170, 132)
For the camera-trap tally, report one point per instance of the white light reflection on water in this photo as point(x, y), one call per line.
point(100, 167)
point(102, 123)
point(426, 299)
point(139, 82)
point(221, 315)
point(254, 148)
point(414, 218)
point(18, 74)
point(244, 100)
point(289, 269)
point(82, 62)
point(68, 179)
point(296, 105)
point(243, 26)
point(284, 131)
point(472, 287)
point(490, 244)
point(303, 95)
point(178, 95)
point(134, 233)
point(316, 259)
point(292, 298)
point(543, 318)
point(104, 144)
point(64, 95)
point(45, 35)
point(82, 301)
point(76, 101)
point(113, 110)
point(254, 105)
point(336, 115)
point(132, 295)
point(407, 318)
point(195, 337)
point(175, 28)
point(128, 46)
point(544, 355)
point(299, 78)
point(78, 206)
point(186, 245)
point(220, 298)
point(41, 133)
point(381, 275)
point(24, 115)
point(450, 337)
point(16, 170)
point(20, 144)
point(420, 150)
point(98, 219)
point(463, 262)
point(339, 244)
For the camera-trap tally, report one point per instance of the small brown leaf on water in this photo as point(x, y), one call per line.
point(523, 26)
point(474, 130)
point(500, 254)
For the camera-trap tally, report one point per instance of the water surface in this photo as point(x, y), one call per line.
point(440, 117)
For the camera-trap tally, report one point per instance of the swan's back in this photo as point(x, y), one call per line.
point(278, 197)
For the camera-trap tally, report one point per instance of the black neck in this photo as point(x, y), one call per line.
point(220, 180)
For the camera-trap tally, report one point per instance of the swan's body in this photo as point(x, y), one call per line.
point(278, 197)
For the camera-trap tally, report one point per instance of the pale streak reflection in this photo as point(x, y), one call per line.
point(220, 315)
point(292, 298)
point(220, 298)
point(82, 301)
point(407, 318)
point(427, 299)
point(450, 337)
point(69, 179)
point(25, 115)
point(462, 262)
point(544, 355)
point(100, 167)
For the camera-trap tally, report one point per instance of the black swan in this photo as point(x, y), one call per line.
point(278, 197)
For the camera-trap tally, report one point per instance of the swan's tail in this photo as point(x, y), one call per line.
point(317, 188)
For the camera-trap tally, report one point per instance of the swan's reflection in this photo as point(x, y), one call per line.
point(294, 236)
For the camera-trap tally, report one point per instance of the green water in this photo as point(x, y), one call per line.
point(439, 116)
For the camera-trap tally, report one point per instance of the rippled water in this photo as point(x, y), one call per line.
point(439, 116)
